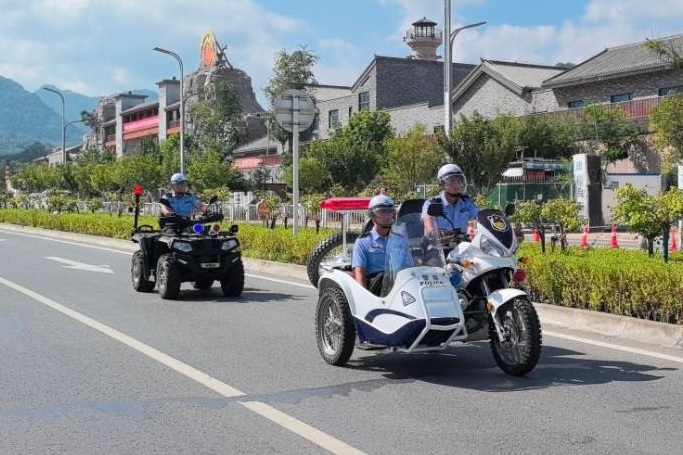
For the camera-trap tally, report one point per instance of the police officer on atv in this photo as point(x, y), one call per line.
point(181, 202)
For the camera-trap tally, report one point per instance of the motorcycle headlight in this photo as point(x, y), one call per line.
point(229, 245)
point(490, 248)
point(182, 246)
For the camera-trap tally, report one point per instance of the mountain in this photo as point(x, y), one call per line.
point(25, 119)
point(151, 96)
point(75, 103)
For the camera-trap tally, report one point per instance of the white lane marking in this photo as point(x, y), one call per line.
point(291, 283)
point(67, 242)
point(2, 240)
point(616, 347)
point(290, 423)
point(297, 426)
point(69, 264)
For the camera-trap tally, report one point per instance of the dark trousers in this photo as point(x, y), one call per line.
point(375, 282)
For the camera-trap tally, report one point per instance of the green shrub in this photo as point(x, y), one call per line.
point(624, 282)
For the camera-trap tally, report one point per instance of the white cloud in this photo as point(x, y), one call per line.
point(109, 44)
point(604, 23)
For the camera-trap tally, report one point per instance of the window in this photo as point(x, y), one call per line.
point(333, 118)
point(621, 97)
point(576, 104)
point(364, 101)
point(350, 111)
point(671, 90)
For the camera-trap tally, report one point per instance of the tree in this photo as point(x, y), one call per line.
point(218, 121)
point(209, 170)
point(647, 215)
point(564, 214)
point(666, 120)
point(610, 127)
point(291, 71)
point(411, 160)
point(260, 177)
point(667, 51)
point(544, 137)
point(482, 148)
point(91, 120)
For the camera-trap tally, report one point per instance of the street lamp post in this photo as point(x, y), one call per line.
point(448, 58)
point(182, 109)
point(63, 125)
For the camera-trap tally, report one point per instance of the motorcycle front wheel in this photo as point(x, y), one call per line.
point(520, 349)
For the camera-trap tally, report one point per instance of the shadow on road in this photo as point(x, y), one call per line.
point(473, 367)
point(249, 295)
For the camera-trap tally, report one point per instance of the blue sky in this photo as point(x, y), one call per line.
point(101, 46)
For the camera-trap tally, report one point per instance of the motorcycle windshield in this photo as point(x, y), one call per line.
point(408, 246)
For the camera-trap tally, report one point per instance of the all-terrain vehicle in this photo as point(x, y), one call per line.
point(186, 250)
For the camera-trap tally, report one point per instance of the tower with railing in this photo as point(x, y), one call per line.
point(424, 39)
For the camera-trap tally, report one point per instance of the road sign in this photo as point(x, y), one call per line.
point(284, 110)
point(294, 111)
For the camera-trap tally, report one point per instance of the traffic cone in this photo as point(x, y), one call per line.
point(674, 245)
point(584, 237)
point(537, 238)
point(613, 241)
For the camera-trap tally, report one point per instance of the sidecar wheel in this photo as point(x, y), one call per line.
point(334, 328)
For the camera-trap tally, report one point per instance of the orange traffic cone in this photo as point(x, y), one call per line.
point(537, 238)
point(613, 241)
point(672, 234)
point(584, 237)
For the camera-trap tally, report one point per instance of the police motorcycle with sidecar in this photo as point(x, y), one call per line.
point(186, 250)
point(450, 290)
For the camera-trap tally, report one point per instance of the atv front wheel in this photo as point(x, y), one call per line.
point(137, 274)
point(168, 277)
point(232, 282)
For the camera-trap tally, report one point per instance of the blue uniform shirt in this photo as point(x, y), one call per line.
point(459, 213)
point(369, 252)
point(183, 205)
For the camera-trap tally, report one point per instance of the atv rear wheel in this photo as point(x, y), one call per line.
point(137, 274)
point(168, 277)
point(232, 282)
point(334, 328)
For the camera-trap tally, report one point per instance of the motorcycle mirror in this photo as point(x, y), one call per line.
point(234, 228)
point(509, 209)
point(435, 209)
point(213, 199)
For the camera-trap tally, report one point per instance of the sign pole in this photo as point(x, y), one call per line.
point(295, 139)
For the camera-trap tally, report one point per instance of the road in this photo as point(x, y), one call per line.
point(91, 366)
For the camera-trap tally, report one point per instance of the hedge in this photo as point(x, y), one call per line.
point(257, 241)
point(624, 282)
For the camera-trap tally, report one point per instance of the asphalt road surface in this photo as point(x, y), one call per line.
point(90, 366)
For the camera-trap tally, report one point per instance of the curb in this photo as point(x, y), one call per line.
point(610, 325)
point(294, 271)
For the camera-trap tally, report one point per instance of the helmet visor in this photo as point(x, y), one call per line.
point(384, 211)
point(453, 178)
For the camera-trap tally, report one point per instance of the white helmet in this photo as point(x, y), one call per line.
point(382, 203)
point(447, 172)
point(178, 178)
point(381, 200)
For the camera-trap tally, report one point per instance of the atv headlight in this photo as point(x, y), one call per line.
point(490, 248)
point(229, 245)
point(182, 246)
